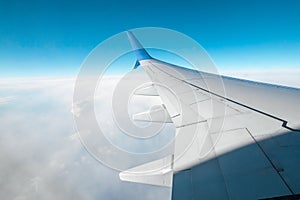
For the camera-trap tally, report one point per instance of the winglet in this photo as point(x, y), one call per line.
point(140, 52)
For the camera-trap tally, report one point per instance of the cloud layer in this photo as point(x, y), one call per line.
point(40, 154)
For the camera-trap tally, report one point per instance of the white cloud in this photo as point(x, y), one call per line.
point(285, 77)
point(42, 158)
point(4, 100)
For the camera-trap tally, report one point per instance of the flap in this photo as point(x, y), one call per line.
point(146, 91)
point(155, 114)
point(158, 172)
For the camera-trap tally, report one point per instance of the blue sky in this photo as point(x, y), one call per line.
point(52, 38)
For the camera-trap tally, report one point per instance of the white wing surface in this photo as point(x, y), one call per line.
point(235, 139)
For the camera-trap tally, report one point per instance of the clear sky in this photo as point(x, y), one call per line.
point(52, 38)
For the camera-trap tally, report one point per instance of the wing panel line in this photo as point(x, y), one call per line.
point(284, 122)
point(273, 165)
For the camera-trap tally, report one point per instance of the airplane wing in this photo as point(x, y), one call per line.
point(235, 139)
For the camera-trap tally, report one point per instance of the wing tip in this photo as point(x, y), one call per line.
point(139, 50)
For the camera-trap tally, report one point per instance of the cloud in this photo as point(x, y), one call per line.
point(285, 77)
point(40, 153)
point(4, 100)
